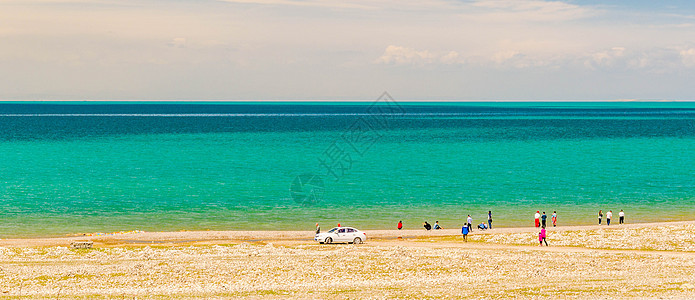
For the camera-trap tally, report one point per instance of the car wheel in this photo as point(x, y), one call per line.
point(329, 240)
point(321, 243)
point(357, 241)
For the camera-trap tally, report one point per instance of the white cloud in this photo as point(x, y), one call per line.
point(402, 55)
point(656, 60)
point(605, 58)
point(688, 57)
point(497, 10)
point(250, 42)
point(307, 3)
point(59, 1)
point(399, 55)
point(502, 56)
point(178, 42)
point(533, 10)
point(452, 57)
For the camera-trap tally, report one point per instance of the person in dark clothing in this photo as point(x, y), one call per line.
point(543, 218)
point(318, 228)
point(489, 219)
point(427, 226)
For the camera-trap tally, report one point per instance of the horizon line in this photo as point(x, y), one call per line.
point(353, 100)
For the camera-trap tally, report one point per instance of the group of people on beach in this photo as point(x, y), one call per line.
point(609, 216)
point(540, 220)
point(468, 227)
point(426, 225)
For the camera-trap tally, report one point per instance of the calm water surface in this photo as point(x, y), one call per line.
point(104, 167)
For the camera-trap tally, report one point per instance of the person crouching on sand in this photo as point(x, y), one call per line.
point(464, 232)
point(482, 226)
point(400, 225)
point(427, 225)
point(436, 225)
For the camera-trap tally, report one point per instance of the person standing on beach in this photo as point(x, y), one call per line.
point(554, 218)
point(464, 232)
point(537, 217)
point(544, 217)
point(600, 216)
point(318, 228)
point(621, 214)
point(470, 223)
point(609, 215)
point(489, 219)
point(541, 237)
point(400, 225)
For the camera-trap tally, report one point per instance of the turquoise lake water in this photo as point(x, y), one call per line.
point(104, 167)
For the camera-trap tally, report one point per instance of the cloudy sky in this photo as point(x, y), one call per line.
point(319, 49)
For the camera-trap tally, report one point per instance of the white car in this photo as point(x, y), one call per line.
point(341, 235)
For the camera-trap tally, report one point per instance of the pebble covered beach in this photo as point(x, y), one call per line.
point(636, 261)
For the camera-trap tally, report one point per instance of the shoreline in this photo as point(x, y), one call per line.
point(267, 236)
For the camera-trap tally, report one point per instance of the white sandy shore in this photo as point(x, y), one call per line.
point(654, 260)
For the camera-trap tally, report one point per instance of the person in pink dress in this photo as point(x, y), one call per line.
point(541, 237)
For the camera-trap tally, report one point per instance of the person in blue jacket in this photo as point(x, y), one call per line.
point(464, 231)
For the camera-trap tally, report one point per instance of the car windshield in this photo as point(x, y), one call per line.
point(333, 230)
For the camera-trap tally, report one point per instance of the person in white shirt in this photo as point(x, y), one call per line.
point(538, 216)
point(621, 214)
point(470, 223)
point(609, 215)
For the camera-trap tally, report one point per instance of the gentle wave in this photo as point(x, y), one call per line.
point(583, 113)
point(197, 115)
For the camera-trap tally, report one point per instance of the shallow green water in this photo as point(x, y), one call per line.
point(67, 168)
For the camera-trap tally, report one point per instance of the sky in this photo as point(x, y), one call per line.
point(346, 50)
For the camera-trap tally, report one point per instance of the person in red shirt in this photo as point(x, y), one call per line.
point(400, 225)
